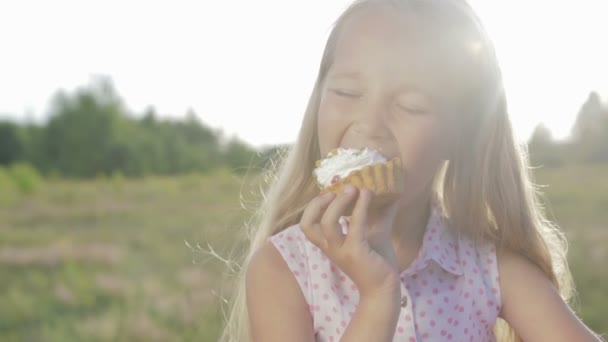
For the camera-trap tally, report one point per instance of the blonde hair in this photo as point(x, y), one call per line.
point(488, 168)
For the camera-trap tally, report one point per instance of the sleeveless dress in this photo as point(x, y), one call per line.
point(450, 291)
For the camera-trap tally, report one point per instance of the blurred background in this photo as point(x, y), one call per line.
point(132, 134)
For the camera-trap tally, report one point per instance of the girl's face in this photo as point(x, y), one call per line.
point(380, 93)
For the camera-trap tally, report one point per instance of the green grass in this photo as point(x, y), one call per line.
point(106, 259)
point(578, 202)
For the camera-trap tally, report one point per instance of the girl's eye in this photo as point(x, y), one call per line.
point(412, 110)
point(345, 93)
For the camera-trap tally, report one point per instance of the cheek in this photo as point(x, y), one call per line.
point(330, 126)
point(325, 134)
point(422, 153)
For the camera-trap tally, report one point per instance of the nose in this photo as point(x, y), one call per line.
point(370, 129)
point(371, 122)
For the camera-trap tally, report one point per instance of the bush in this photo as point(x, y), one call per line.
point(25, 178)
point(7, 189)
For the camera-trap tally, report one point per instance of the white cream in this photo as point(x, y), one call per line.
point(344, 162)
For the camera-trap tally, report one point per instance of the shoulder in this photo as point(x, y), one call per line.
point(519, 278)
point(532, 304)
point(269, 280)
point(517, 274)
point(267, 259)
point(511, 263)
point(268, 266)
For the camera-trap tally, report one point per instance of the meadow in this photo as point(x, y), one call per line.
point(116, 259)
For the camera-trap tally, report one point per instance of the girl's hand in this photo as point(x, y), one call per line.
point(366, 253)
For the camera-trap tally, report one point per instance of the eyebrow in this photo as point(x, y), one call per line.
point(411, 88)
point(348, 74)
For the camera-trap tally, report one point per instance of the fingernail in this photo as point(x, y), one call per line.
point(349, 189)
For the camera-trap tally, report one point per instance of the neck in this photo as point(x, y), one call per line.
point(411, 221)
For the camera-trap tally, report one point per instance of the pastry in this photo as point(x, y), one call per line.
point(362, 168)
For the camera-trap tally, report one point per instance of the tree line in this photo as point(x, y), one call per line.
point(90, 132)
point(587, 143)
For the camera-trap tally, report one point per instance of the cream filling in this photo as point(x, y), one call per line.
point(344, 162)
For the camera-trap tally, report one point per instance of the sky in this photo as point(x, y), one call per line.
point(248, 67)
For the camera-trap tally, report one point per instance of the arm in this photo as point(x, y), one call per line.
point(532, 305)
point(374, 320)
point(270, 282)
point(276, 305)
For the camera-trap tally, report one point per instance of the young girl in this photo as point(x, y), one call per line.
point(464, 255)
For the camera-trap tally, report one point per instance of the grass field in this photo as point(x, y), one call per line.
point(116, 260)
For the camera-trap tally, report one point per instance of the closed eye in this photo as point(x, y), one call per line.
point(413, 110)
point(345, 93)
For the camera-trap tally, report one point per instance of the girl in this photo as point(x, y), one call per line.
point(465, 254)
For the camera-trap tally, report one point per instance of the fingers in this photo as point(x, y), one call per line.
point(320, 220)
point(309, 223)
point(359, 219)
point(329, 222)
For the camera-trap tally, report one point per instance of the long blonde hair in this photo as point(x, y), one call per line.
point(488, 168)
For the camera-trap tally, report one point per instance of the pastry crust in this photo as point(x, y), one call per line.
point(385, 180)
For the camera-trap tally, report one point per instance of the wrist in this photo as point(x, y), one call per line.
point(387, 296)
point(384, 308)
point(390, 289)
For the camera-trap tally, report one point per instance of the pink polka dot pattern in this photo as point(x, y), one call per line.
point(452, 287)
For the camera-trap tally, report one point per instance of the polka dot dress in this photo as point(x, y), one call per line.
point(450, 291)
